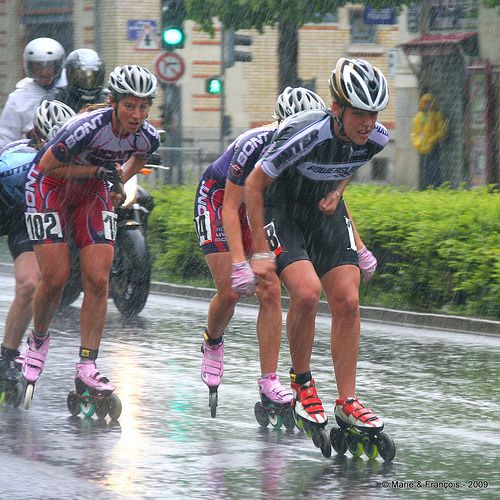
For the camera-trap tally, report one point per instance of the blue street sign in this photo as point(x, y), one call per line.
point(136, 26)
point(379, 16)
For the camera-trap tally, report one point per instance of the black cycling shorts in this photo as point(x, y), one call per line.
point(18, 239)
point(304, 233)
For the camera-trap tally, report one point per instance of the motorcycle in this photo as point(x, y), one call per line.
point(130, 275)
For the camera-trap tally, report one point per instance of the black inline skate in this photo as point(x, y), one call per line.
point(360, 431)
point(11, 387)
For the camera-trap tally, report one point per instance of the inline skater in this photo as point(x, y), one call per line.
point(295, 194)
point(15, 162)
point(43, 63)
point(220, 197)
point(85, 75)
point(74, 168)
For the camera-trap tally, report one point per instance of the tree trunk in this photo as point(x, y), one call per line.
point(288, 50)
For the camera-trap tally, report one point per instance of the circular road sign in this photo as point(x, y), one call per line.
point(169, 67)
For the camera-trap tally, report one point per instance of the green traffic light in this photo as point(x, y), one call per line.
point(173, 36)
point(215, 86)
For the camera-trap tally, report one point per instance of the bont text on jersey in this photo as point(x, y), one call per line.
point(249, 147)
point(297, 147)
point(83, 130)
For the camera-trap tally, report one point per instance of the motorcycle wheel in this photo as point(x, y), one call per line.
point(131, 274)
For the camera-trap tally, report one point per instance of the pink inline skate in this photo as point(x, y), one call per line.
point(212, 369)
point(274, 406)
point(33, 363)
point(94, 393)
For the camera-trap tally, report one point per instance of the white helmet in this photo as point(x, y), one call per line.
point(50, 114)
point(293, 100)
point(43, 51)
point(132, 80)
point(358, 84)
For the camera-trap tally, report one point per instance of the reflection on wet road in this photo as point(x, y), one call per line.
point(435, 390)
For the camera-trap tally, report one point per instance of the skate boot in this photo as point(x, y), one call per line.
point(274, 406)
point(212, 368)
point(11, 387)
point(309, 413)
point(94, 393)
point(360, 430)
point(33, 364)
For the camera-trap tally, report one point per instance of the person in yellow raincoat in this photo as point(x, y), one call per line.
point(429, 128)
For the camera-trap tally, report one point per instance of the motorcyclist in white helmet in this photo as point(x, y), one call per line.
point(43, 60)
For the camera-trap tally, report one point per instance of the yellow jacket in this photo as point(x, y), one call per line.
point(429, 127)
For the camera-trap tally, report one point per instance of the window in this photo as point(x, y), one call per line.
point(361, 32)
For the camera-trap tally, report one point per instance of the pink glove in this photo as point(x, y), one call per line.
point(367, 264)
point(243, 279)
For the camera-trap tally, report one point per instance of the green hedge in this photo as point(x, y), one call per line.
point(438, 250)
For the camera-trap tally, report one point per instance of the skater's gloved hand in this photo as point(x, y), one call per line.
point(106, 172)
point(243, 279)
point(367, 263)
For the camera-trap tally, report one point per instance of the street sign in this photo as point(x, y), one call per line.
point(136, 26)
point(169, 67)
point(147, 39)
point(379, 16)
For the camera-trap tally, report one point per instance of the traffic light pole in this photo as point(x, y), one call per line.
point(172, 115)
point(222, 96)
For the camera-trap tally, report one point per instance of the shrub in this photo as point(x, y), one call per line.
point(438, 250)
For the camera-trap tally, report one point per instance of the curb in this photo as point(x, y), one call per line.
point(376, 314)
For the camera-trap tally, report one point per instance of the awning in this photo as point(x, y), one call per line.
point(443, 45)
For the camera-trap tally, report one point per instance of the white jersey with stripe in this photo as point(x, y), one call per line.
point(308, 160)
point(306, 142)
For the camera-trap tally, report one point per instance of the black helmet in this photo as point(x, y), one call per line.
point(85, 73)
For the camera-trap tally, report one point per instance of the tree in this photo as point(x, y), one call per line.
point(288, 15)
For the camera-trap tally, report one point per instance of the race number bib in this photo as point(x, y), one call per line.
point(43, 226)
point(203, 228)
point(272, 239)
point(109, 221)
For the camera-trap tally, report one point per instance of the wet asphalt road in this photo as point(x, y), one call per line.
point(437, 392)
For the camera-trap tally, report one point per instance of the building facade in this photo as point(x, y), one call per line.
point(123, 31)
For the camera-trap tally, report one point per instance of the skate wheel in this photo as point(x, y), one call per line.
point(276, 420)
point(288, 420)
point(337, 440)
point(3, 397)
point(308, 430)
point(353, 441)
point(17, 395)
point(260, 415)
point(325, 443)
point(212, 403)
point(386, 446)
point(28, 395)
point(298, 422)
point(114, 407)
point(101, 409)
point(73, 403)
point(316, 437)
point(87, 407)
point(370, 447)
